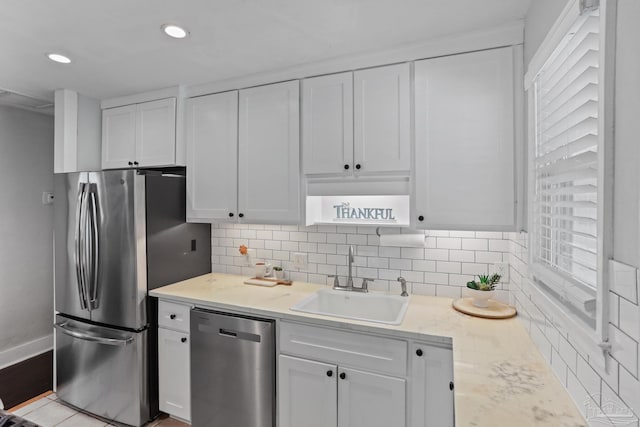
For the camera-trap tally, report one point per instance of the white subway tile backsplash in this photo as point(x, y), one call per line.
point(590, 380)
point(460, 280)
point(308, 247)
point(357, 239)
point(462, 256)
point(475, 269)
point(412, 253)
point(499, 245)
point(475, 244)
point(336, 238)
point(624, 349)
point(629, 321)
point(448, 243)
point(436, 278)
point(448, 267)
point(378, 262)
point(421, 289)
point(389, 252)
point(400, 263)
point(436, 254)
point(326, 248)
point(424, 265)
point(488, 257)
point(367, 251)
point(448, 291)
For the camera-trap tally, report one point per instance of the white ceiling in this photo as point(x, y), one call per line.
point(118, 49)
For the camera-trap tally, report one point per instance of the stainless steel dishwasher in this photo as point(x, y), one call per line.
point(232, 370)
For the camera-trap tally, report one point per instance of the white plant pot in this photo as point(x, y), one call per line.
point(480, 298)
point(279, 274)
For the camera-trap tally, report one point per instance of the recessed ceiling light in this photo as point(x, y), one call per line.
point(56, 57)
point(174, 31)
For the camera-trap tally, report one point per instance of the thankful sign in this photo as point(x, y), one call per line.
point(344, 211)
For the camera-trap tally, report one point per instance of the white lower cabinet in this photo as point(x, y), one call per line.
point(174, 366)
point(308, 393)
point(335, 378)
point(431, 386)
point(316, 394)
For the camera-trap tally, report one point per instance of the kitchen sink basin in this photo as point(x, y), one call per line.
point(370, 307)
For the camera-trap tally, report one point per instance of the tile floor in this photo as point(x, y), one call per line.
point(47, 412)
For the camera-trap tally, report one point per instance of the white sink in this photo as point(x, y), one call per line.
point(370, 307)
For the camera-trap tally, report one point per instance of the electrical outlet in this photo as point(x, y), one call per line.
point(501, 268)
point(300, 261)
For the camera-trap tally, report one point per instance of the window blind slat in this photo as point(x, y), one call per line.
point(586, 127)
point(588, 159)
point(581, 144)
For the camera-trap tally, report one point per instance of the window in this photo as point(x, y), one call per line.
point(566, 188)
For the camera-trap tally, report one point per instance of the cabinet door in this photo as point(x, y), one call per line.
point(156, 133)
point(118, 137)
point(269, 159)
point(327, 124)
point(307, 393)
point(212, 157)
point(370, 400)
point(173, 373)
point(382, 141)
point(431, 394)
point(465, 141)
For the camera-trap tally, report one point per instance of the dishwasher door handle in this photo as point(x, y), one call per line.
point(239, 335)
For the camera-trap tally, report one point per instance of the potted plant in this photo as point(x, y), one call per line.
point(483, 289)
point(278, 272)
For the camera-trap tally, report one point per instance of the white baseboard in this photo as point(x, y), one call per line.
point(25, 351)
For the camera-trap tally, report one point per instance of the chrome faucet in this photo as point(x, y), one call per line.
point(350, 260)
point(349, 286)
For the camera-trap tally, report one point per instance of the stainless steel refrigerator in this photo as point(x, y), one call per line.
point(117, 235)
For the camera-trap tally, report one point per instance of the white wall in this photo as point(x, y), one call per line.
point(538, 21)
point(26, 265)
point(627, 135)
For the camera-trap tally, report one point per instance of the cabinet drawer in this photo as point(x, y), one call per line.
point(377, 354)
point(174, 316)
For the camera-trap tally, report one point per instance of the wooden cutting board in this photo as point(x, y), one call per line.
point(496, 310)
point(265, 281)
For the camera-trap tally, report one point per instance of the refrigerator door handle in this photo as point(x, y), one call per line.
point(94, 249)
point(65, 329)
point(84, 247)
point(78, 247)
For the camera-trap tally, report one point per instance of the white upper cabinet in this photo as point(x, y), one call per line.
point(156, 133)
point(382, 140)
point(465, 141)
point(139, 135)
point(327, 124)
point(212, 157)
point(118, 137)
point(269, 154)
point(357, 122)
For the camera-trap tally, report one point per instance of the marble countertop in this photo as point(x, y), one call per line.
point(500, 377)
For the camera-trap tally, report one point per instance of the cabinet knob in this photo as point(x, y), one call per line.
point(241, 215)
point(183, 339)
point(130, 163)
point(346, 167)
point(419, 352)
point(172, 316)
point(343, 375)
point(329, 373)
point(451, 385)
point(421, 218)
point(230, 214)
point(136, 163)
point(358, 166)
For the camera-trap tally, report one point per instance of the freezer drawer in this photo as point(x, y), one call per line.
point(103, 370)
point(232, 370)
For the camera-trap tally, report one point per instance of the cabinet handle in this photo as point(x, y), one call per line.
point(130, 163)
point(346, 167)
point(230, 214)
point(183, 339)
point(241, 215)
point(358, 166)
point(451, 385)
point(329, 373)
point(136, 163)
point(420, 218)
point(419, 352)
point(172, 316)
point(343, 376)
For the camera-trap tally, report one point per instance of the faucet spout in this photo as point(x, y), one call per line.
point(350, 259)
